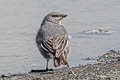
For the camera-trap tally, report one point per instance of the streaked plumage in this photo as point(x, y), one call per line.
point(52, 39)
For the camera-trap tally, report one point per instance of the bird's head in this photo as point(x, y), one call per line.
point(54, 17)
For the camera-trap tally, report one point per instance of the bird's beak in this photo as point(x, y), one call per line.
point(64, 16)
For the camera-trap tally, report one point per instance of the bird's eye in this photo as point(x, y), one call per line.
point(55, 16)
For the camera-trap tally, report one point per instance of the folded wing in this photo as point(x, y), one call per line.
point(56, 46)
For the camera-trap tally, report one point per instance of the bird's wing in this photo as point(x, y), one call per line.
point(56, 45)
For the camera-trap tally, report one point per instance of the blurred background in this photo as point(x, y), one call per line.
point(21, 19)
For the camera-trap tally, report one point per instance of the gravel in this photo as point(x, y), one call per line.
point(106, 69)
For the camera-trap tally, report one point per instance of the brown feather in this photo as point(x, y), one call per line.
point(57, 47)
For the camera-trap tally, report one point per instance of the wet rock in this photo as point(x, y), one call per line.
point(110, 56)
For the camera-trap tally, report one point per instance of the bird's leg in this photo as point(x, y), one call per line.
point(47, 65)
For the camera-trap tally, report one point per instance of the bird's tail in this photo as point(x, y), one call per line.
point(60, 60)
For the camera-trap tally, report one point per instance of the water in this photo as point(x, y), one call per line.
point(20, 21)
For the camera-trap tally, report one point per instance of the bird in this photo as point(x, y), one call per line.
point(52, 39)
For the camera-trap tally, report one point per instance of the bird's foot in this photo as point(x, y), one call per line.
point(43, 70)
point(49, 69)
point(46, 69)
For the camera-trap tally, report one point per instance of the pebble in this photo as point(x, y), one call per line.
point(109, 70)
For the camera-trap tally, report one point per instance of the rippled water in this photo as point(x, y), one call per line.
point(20, 21)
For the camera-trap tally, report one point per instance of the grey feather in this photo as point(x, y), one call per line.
point(52, 39)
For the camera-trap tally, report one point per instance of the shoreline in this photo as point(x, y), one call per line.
point(107, 69)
